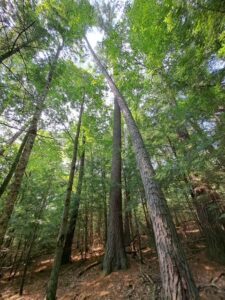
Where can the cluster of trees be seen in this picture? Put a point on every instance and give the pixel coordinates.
(63, 155)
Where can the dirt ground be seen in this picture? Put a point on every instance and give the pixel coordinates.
(139, 281)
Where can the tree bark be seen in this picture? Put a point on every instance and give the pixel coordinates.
(67, 250)
(7, 179)
(103, 178)
(13, 139)
(177, 280)
(53, 281)
(208, 210)
(127, 234)
(115, 256)
(22, 164)
(32, 242)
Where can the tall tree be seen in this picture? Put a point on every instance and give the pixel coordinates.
(176, 276)
(67, 250)
(53, 281)
(115, 256)
(27, 149)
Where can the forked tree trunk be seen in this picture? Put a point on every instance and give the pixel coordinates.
(67, 250)
(115, 256)
(24, 158)
(53, 281)
(177, 280)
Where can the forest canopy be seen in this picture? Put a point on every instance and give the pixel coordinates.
(112, 121)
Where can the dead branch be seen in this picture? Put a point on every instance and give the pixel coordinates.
(96, 263)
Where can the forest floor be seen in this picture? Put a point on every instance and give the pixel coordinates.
(81, 280)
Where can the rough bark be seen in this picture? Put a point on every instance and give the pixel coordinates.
(22, 164)
(115, 256)
(53, 281)
(177, 280)
(67, 250)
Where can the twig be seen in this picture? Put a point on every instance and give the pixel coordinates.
(26, 130)
(217, 278)
(25, 29)
(8, 68)
(96, 263)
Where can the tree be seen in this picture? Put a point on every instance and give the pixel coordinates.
(115, 256)
(27, 149)
(53, 281)
(175, 273)
(67, 250)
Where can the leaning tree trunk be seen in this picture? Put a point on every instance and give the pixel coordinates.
(177, 281)
(67, 250)
(8, 177)
(24, 158)
(53, 281)
(13, 139)
(115, 256)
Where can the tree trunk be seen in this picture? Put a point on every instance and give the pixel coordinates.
(7, 179)
(209, 216)
(15, 258)
(104, 204)
(127, 234)
(138, 237)
(115, 256)
(13, 139)
(67, 250)
(53, 281)
(32, 242)
(18, 263)
(208, 212)
(148, 223)
(177, 281)
(85, 233)
(22, 164)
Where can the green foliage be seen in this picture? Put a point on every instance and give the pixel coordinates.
(167, 58)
